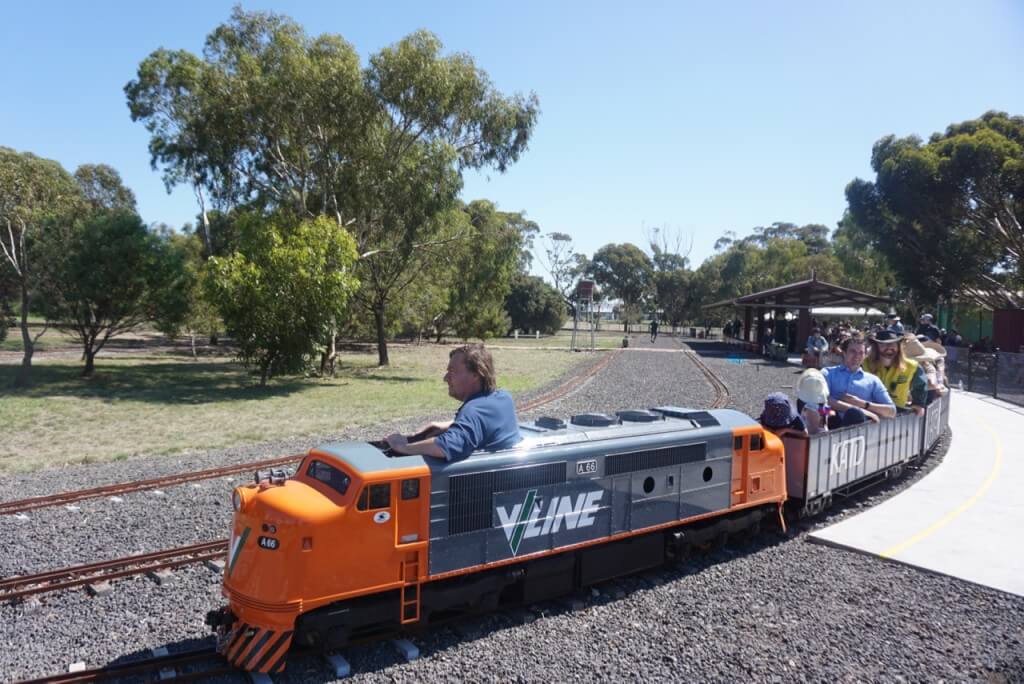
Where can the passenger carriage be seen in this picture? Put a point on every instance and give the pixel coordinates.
(840, 462)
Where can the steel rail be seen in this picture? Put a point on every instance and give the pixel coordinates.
(9, 507)
(142, 667)
(28, 585)
(21, 505)
(721, 390)
(568, 386)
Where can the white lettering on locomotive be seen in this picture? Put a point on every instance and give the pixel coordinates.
(528, 519)
(847, 454)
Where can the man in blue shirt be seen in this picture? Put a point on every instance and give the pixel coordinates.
(486, 420)
(855, 394)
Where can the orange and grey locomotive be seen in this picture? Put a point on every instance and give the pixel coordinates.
(361, 542)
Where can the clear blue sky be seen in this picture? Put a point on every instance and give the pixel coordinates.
(705, 117)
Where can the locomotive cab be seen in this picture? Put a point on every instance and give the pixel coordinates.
(332, 531)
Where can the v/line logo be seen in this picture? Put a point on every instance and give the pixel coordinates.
(524, 520)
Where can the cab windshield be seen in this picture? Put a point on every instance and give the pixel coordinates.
(329, 475)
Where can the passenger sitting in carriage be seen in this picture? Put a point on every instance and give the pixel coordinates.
(902, 377)
(812, 401)
(855, 394)
(780, 417)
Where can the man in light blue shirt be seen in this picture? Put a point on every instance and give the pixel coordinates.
(485, 421)
(853, 393)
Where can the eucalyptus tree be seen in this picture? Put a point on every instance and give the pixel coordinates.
(281, 121)
(34, 193)
(102, 188)
(283, 290)
(532, 304)
(563, 263)
(267, 115)
(949, 214)
(625, 272)
(483, 265)
(433, 117)
(103, 274)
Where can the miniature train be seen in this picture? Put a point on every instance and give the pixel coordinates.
(361, 543)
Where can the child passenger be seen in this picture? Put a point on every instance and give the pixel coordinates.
(812, 400)
(780, 417)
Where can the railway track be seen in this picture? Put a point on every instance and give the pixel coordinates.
(29, 585)
(22, 505)
(156, 666)
(64, 498)
(720, 389)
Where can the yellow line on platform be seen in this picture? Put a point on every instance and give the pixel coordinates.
(949, 517)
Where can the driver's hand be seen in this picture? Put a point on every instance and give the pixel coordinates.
(397, 441)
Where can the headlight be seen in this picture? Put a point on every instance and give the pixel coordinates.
(236, 501)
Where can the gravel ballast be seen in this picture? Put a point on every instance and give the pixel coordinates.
(773, 609)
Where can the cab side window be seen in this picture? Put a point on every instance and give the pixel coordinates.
(329, 475)
(375, 496)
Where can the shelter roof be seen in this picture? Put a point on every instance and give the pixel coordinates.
(806, 294)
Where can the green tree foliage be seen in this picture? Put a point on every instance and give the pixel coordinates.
(185, 308)
(864, 267)
(563, 263)
(625, 272)
(283, 290)
(274, 119)
(34, 193)
(672, 276)
(673, 294)
(814, 236)
(102, 188)
(103, 272)
(777, 255)
(948, 213)
(483, 262)
(532, 305)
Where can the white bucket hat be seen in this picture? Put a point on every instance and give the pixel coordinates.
(812, 388)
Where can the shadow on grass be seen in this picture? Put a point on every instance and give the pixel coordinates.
(171, 382)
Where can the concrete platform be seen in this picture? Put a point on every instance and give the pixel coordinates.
(964, 519)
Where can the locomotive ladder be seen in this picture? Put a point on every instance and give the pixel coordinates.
(410, 588)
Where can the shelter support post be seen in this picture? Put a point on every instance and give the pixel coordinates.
(803, 329)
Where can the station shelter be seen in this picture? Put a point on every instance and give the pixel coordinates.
(800, 297)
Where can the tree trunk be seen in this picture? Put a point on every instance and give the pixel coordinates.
(22, 379)
(329, 356)
(90, 367)
(192, 343)
(205, 220)
(382, 344)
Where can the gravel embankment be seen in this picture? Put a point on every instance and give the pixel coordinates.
(774, 609)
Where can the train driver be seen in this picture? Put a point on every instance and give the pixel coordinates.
(853, 393)
(486, 420)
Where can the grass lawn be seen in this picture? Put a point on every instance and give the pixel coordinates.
(51, 339)
(166, 404)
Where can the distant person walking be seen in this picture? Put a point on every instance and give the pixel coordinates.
(654, 329)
